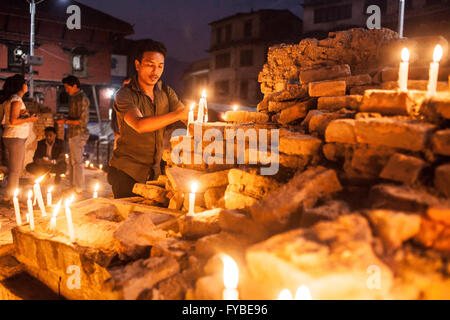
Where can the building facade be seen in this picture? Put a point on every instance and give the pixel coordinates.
(422, 17)
(86, 53)
(238, 51)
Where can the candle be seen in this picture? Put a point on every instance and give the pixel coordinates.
(96, 187)
(403, 71)
(86, 164)
(194, 187)
(91, 166)
(30, 215)
(67, 204)
(17, 208)
(303, 293)
(100, 167)
(54, 215)
(190, 118)
(230, 278)
(434, 71)
(201, 106)
(235, 108)
(285, 294)
(38, 195)
(49, 196)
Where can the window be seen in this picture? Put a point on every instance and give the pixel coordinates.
(248, 29)
(219, 35)
(16, 56)
(222, 88)
(244, 90)
(77, 63)
(246, 58)
(228, 33)
(333, 14)
(223, 60)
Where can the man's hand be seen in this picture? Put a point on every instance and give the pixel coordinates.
(183, 113)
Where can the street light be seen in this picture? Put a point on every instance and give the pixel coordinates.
(33, 4)
(401, 17)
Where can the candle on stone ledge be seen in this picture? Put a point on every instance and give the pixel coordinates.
(230, 278)
(54, 215)
(30, 215)
(434, 71)
(17, 208)
(235, 108)
(201, 108)
(38, 195)
(96, 187)
(190, 117)
(68, 213)
(302, 293)
(194, 187)
(49, 196)
(403, 71)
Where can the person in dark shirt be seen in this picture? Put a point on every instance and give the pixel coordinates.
(49, 156)
(145, 107)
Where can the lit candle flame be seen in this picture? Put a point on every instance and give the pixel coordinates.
(194, 187)
(100, 167)
(285, 294)
(230, 272)
(235, 108)
(67, 156)
(39, 180)
(204, 94)
(438, 52)
(16, 193)
(303, 293)
(405, 55)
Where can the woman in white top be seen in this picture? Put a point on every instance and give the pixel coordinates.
(17, 128)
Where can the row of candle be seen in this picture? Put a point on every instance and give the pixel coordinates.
(202, 113)
(433, 73)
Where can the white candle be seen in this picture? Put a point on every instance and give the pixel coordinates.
(285, 294)
(67, 203)
(201, 106)
(96, 187)
(30, 210)
(49, 196)
(230, 278)
(191, 113)
(54, 215)
(17, 208)
(303, 293)
(194, 187)
(100, 167)
(206, 106)
(434, 71)
(403, 71)
(38, 195)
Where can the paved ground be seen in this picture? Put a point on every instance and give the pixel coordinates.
(7, 216)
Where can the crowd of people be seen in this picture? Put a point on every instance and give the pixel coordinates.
(143, 108)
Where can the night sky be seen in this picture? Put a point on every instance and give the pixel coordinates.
(182, 24)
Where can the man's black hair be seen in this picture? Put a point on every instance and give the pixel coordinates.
(52, 129)
(148, 46)
(71, 81)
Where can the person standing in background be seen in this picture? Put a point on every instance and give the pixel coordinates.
(78, 133)
(17, 128)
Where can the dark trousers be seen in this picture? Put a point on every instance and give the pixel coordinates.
(121, 183)
(38, 170)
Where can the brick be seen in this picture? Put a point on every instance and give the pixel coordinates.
(341, 131)
(403, 168)
(291, 93)
(246, 117)
(414, 85)
(274, 211)
(442, 179)
(250, 183)
(239, 222)
(440, 214)
(151, 192)
(293, 113)
(200, 224)
(442, 105)
(327, 88)
(358, 80)
(324, 73)
(213, 179)
(389, 102)
(396, 133)
(234, 199)
(359, 90)
(299, 144)
(213, 195)
(336, 103)
(319, 121)
(275, 106)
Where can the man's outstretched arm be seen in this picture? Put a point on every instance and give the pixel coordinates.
(141, 124)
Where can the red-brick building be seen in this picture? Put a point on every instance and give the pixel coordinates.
(87, 53)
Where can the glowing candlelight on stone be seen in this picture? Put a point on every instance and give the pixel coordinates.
(91, 166)
(86, 164)
(230, 278)
(235, 108)
(434, 71)
(403, 71)
(194, 187)
(67, 204)
(96, 187)
(54, 215)
(100, 167)
(38, 195)
(285, 294)
(303, 293)
(30, 214)
(17, 208)
(49, 196)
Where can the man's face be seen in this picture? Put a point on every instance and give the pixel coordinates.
(50, 136)
(71, 90)
(150, 68)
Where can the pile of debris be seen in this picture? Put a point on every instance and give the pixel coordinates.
(358, 208)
